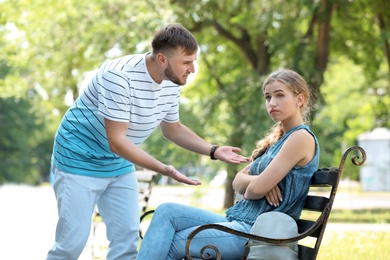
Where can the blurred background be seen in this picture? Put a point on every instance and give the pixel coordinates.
(342, 47)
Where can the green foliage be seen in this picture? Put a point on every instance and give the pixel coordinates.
(348, 111)
(55, 43)
(360, 37)
(49, 47)
(342, 96)
(19, 141)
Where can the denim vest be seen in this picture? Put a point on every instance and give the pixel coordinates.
(294, 186)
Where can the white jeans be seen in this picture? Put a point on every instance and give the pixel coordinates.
(117, 200)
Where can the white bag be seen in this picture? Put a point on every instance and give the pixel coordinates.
(273, 225)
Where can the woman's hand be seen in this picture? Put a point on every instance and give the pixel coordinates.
(171, 172)
(274, 196)
(242, 179)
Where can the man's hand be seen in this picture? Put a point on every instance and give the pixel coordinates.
(230, 154)
(171, 172)
(274, 196)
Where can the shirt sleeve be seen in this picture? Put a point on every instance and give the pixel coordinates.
(173, 114)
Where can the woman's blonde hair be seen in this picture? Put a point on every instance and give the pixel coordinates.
(297, 84)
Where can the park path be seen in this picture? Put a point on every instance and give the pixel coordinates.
(28, 216)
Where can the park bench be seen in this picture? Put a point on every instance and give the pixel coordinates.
(308, 228)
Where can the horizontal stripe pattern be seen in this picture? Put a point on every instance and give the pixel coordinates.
(121, 90)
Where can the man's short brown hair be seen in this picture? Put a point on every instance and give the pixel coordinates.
(172, 37)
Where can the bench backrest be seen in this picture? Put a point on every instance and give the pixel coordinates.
(324, 178)
(146, 180)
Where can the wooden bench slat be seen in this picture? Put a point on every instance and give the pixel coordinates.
(304, 225)
(315, 203)
(325, 177)
(305, 252)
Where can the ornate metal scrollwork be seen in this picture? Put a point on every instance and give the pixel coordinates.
(355, 159)
(216, 250)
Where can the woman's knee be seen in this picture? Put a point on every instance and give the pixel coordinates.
(167, 208)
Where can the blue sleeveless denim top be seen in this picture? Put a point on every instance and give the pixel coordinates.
(294, 186)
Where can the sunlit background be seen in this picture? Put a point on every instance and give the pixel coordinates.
(49, 49)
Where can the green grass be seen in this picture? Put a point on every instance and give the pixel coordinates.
(356, 243)
(353, 245)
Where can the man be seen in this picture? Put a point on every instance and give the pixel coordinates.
(97, 143)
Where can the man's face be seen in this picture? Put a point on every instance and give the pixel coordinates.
(180, 66)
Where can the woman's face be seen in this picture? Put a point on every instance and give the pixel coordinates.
(281, 102)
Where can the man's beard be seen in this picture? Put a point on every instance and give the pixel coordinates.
(171, 75)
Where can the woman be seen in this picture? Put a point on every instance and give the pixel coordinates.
(277, 179)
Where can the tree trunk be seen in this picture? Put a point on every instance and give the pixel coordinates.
(232, 169)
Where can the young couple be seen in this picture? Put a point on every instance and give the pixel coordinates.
(97, 145)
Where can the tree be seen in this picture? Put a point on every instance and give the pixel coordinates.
(266, 35)
(242, 41)
(19, 129)
(58, 42)
(364, 37)
(49, 46)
